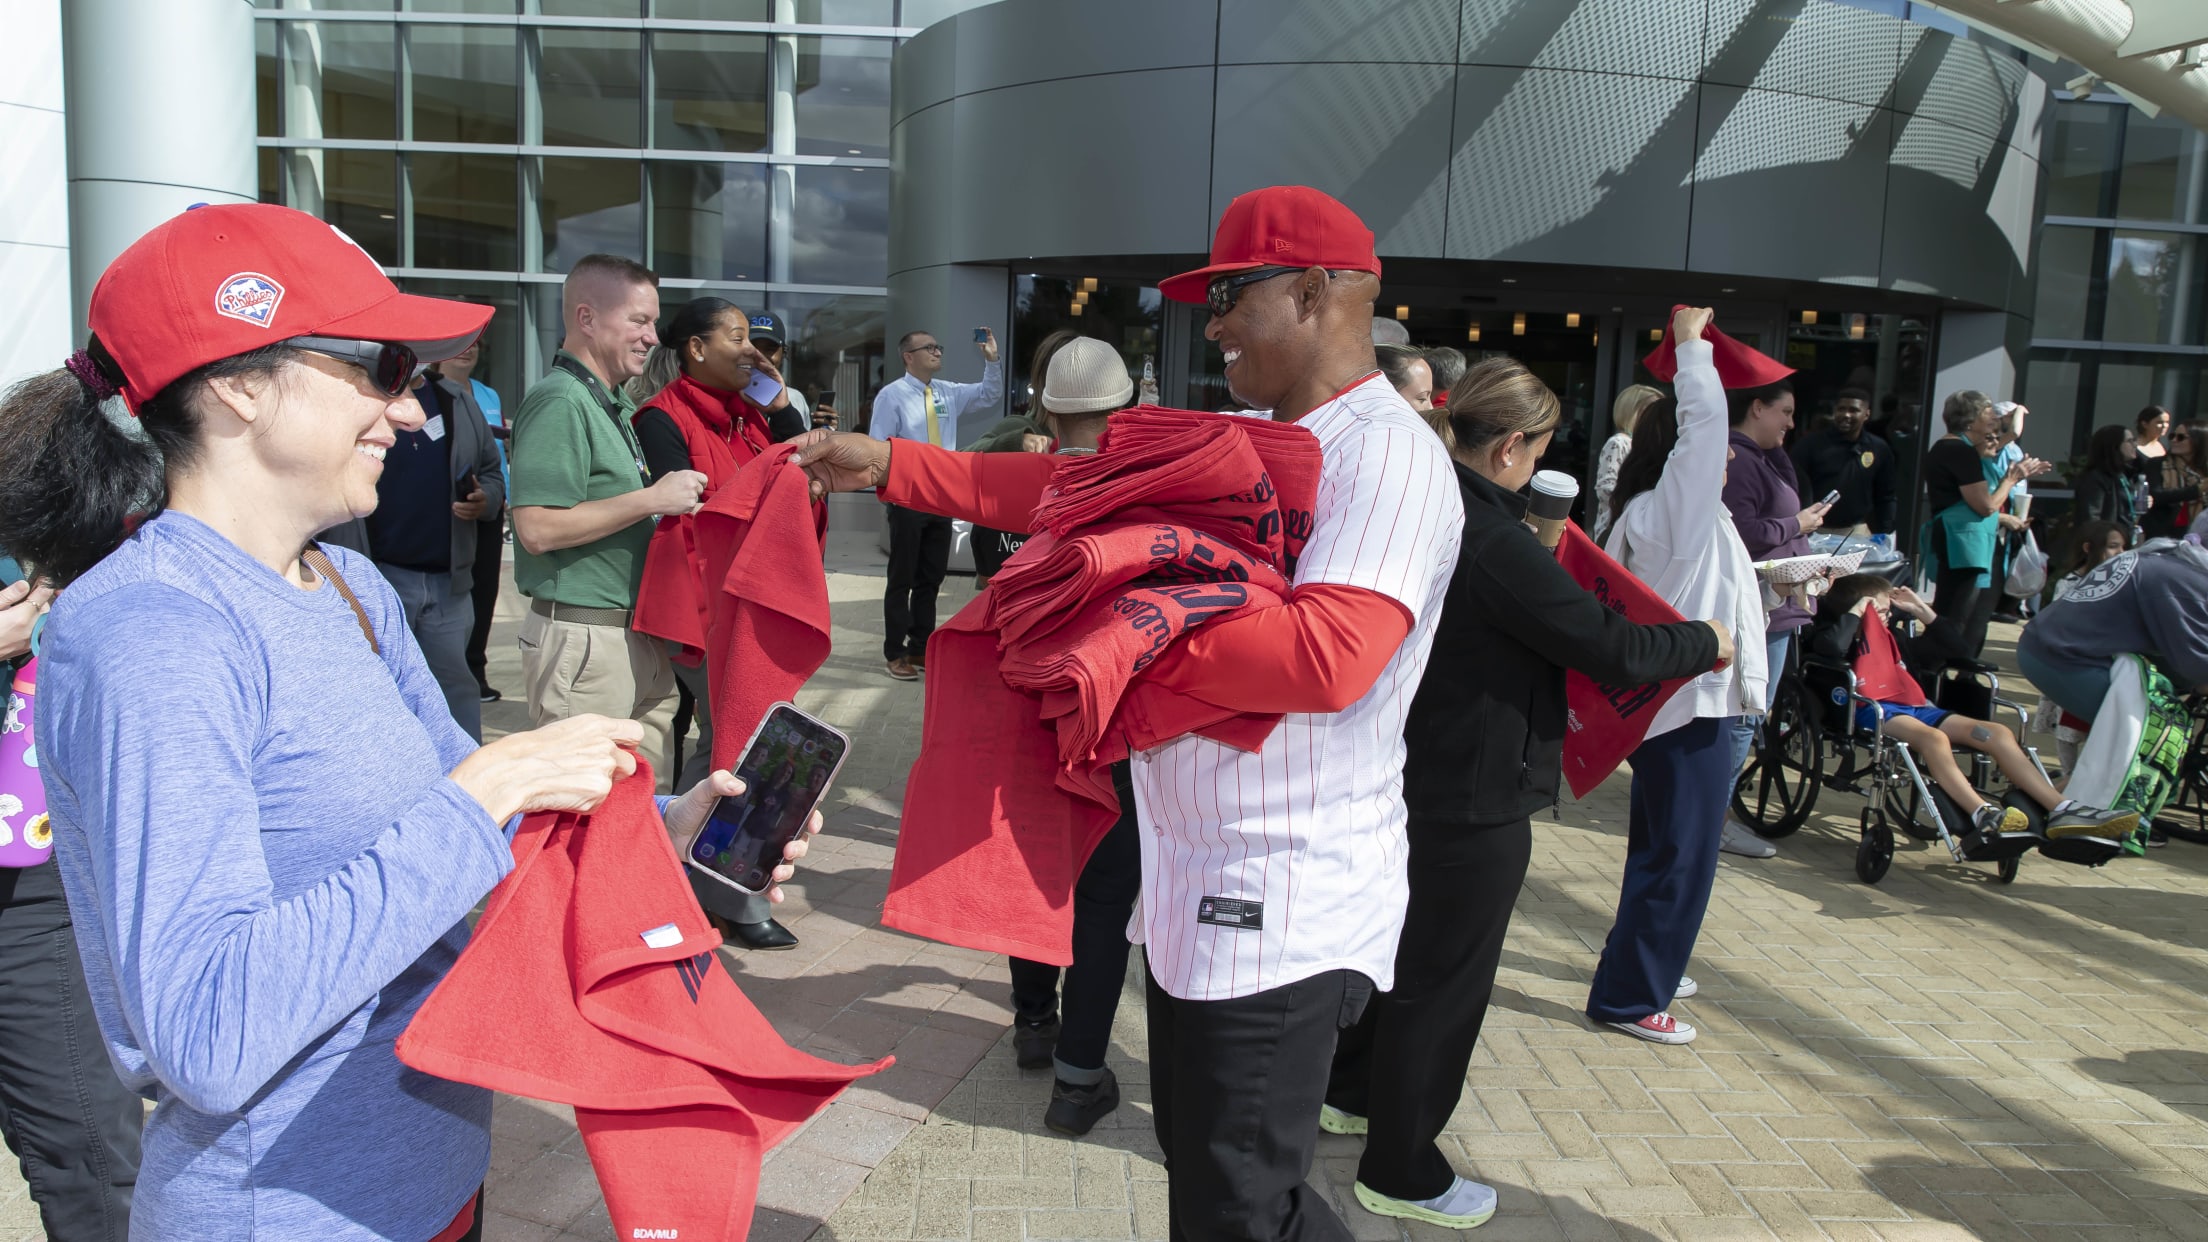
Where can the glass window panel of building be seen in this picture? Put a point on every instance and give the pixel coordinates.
(715, 10)
(839, 227)
(465, 83)
(500, 367)
(339, 80)
(835, 346)
(466, 211)
(709, 221)
(358, 191)
(842, 96)
(588, 207)
(592, 86)
(2130, 285)
(498, 7)
(710, 92)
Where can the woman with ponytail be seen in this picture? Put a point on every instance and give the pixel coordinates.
(268, 826)
(1484, 750)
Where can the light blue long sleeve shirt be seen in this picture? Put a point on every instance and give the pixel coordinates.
(901, 407)
(268, 870)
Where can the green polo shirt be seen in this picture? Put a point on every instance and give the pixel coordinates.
(567, 448)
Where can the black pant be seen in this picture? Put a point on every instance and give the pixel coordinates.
(1236, 1087)
(919, 551)
(72, 1125)
(1957, 596)
(1103, 902)
(490, 553)
(1402, 1066)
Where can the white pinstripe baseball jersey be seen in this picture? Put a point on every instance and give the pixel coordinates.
(1260, 870)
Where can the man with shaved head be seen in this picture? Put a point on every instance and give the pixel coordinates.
(584, 505)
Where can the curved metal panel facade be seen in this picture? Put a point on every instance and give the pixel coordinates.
(1782, 139)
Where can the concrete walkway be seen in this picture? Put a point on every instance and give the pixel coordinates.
(1940, 1056)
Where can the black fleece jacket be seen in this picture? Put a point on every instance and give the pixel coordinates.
(1485, 736)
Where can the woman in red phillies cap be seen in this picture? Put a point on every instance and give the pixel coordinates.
(269, 827)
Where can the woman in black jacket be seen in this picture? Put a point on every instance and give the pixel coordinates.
(1485, 741)
(2105, 490)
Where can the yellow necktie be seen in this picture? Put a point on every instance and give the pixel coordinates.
(935, 430)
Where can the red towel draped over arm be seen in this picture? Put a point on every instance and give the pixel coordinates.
(996, 490)
(1320, 653)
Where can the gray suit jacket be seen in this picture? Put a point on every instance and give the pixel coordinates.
(473, 449)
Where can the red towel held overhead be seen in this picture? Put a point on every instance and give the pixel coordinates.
(1181, 519)
(1603, 724)
(1738, 366)
(591, 980)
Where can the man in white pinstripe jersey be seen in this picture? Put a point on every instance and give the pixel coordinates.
(1273, 883)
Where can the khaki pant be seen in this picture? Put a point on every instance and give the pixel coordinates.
(572, 669)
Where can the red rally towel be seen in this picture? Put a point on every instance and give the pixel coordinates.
(768, 626)
(1603, 724)
(591, 980)
(1738, 366)
(1180, 519)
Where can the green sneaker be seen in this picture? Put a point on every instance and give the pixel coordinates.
(1335, 1121)
(1465, 1205)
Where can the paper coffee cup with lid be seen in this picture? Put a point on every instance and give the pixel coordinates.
(1550, 505)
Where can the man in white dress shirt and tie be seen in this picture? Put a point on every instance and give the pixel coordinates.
(918, 406)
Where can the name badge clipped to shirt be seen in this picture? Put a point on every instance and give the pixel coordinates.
(434, 427)
(1231, 912)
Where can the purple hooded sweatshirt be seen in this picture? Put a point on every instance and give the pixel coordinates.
(1762, 496)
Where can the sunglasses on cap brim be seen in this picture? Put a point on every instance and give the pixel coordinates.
(392, 368)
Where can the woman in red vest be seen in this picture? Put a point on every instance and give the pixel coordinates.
(702, 421)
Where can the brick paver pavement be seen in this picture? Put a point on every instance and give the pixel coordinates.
(1937, 1057)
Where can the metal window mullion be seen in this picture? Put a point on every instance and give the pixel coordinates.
(531, 181)
(647, 98)
(402, 184)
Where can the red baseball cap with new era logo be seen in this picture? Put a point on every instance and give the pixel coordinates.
(218, 281)
(1280, 226)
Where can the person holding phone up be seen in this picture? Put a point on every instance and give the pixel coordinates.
(1765, 501)
(266, 821)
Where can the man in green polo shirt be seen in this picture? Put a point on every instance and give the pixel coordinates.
(583, 512)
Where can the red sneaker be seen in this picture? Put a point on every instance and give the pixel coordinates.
(1658, 1028)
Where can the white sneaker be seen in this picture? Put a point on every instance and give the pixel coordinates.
(1687, 988)
(1465, 1205)
(1335, 1121)
(1744, 842)
(1657, 1028)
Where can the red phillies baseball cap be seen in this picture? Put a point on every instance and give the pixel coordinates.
(1280, 226)
(218, 281)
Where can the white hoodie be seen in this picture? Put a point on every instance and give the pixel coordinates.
(1679, 539)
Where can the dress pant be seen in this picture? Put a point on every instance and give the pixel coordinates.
(1236, 1087)
(919, 553)
(1103, 902)
(716, 898)
(490, 558)
(1402, 1066)
(1957, 595)
(1681, 782)
(73, 1126)
(440, 621)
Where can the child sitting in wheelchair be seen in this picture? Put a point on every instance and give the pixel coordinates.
(1854, 625)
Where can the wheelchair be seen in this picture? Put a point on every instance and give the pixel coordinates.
(1813, 717)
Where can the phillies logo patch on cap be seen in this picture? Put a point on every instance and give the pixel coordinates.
(249, 297)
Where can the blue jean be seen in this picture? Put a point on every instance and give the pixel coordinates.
(2078, 690)
(1681, 781)
(1743, 729)
(440, 621)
